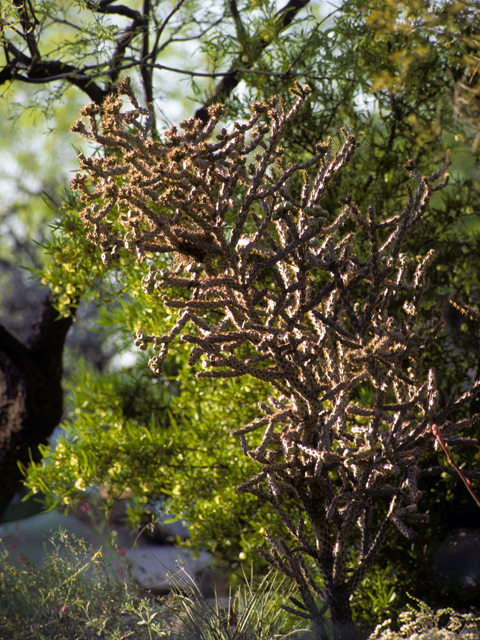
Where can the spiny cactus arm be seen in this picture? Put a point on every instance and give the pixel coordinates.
(365, 527)
(465, 309)
(277, 557)
(292, 564)
(410, 483)
(346, 299)
(238, 368)
(298, 611)
(365, 560)
(400, 407)
(416, 440)
(405, 223)
(374, 297)
(350, 515)
(438, 469)
(326, 172)
(464, 399)
(279, 121)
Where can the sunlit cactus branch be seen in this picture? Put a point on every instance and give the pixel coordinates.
(320, 302)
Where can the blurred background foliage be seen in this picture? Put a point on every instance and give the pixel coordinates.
(402, 76)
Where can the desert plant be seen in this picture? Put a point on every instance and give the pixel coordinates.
(248, 614)
(423, 623)
(78, 595)
(72, 595)
(324, 306)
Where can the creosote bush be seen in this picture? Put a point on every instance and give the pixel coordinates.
(323, 305)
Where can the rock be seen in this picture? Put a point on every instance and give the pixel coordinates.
(456, 563)
(153, 566)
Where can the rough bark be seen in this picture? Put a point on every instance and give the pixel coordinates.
(31, 397)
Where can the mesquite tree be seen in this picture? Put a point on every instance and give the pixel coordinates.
(325, 306)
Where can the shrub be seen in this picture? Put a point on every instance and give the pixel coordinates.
(424, 624)
(72, 595)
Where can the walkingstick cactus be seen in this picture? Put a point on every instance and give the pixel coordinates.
(324, 305)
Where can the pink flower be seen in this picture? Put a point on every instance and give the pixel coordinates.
(122, 552)
(22, 539)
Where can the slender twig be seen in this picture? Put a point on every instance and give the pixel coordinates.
(466, 481)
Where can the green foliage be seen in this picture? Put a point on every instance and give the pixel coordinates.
(74, 267)
(126, 432)
(73, 595)
(377, 598)
(77, 595)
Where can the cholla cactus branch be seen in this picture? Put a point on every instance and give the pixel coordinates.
(271, 285)
(464, 308)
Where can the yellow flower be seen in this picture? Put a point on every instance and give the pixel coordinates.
(80, 484)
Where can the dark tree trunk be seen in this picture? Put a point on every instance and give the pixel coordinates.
(342, 622)
(31, 396)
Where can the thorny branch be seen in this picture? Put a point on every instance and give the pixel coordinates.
(322, 304)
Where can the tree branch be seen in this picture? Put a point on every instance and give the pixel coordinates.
(119, 10)
(161, 29)
(229, 82)
(28, 27)
(139, 24)
(146, 71)
(48, 71)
